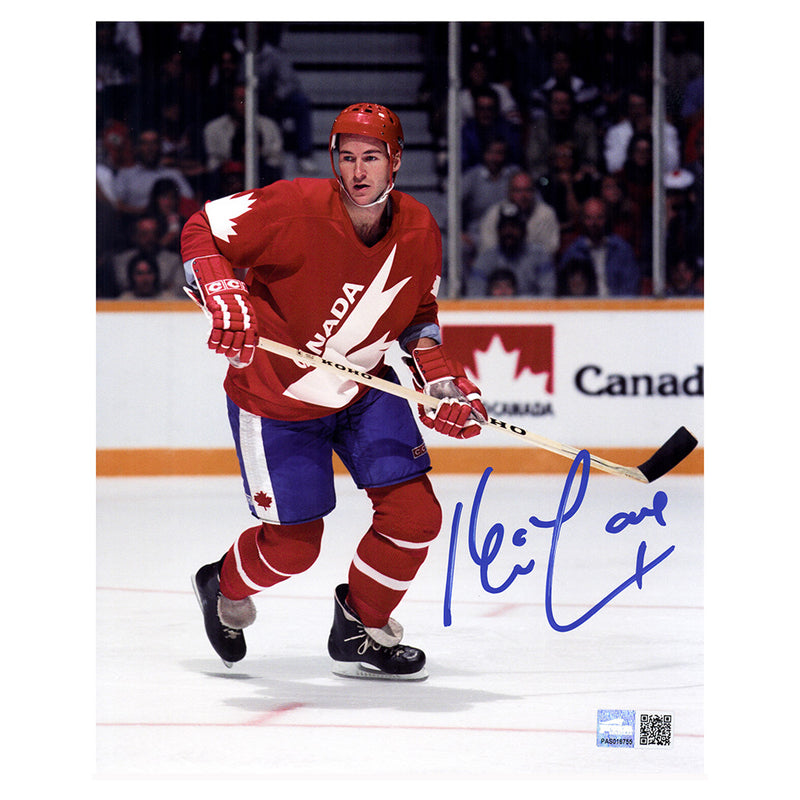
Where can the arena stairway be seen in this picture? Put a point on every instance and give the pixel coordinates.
(384, 62)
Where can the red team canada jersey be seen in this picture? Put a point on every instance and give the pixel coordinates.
(316, 286)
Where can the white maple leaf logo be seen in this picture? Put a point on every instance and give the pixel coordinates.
(370, 307)
(323, 388)
(497, 366)
(222, 213)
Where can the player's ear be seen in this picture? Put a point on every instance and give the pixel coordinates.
(396, 159)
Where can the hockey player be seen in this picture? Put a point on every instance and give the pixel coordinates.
(343, 267)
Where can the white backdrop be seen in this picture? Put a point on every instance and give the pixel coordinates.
(159, 386)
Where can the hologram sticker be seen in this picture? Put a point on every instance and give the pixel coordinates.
(615, 728)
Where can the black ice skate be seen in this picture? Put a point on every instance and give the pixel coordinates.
(356, 653)
(226, 639)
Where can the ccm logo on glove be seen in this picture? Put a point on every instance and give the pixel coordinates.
(225, 285)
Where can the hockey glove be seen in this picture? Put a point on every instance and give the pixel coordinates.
(227, 303)
(460, 412)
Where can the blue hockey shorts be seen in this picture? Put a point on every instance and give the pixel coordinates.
(287, 467)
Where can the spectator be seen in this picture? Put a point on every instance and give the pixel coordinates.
(132, 185)
(224, 142)
(563, 188)
(610, 62)
(562, 123)
(615, 267)
(502, 283)
(637, 119)
(482, 186)
(683, 62)
(696, 165)
(639, 81)
(541, 220)
(636, 179)
(684, 233)
(535, 43)
(488, 42)
(175, 82)
(563, 77)
(576, 278)
(224, 76)
(143, 280)
(281, 96)
(114, 151)
(164, 205)
(477, 78)
(117, 75)
(487, 125)
(106, 204)
(145, 243)
(176, 60)
(529, 262)
(199, 42)
(694, 142)
(174, 109)
(115, 146)
(639, 37)
(683, 277)
(180, 140)
(693, 104)
(624, 216)
(232, 177)
(106, 286)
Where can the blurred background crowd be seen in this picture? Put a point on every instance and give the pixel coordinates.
(557, 183)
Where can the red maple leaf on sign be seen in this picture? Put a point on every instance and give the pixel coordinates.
(262, 499)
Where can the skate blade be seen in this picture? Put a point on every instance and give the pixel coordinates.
(347, 669)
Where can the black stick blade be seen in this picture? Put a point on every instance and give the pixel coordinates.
(669, 455)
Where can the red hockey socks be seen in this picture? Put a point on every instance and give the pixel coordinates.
(268, 554)
(406, 519)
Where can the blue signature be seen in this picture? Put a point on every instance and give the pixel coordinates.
(492, 543)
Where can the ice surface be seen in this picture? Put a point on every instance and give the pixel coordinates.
(508, 695)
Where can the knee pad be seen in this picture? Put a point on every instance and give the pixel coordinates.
(292, 549)
(408, 512)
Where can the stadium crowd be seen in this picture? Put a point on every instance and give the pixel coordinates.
(556, 149)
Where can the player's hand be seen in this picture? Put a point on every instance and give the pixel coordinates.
(227, 301)
(233, 321)
(460, 412)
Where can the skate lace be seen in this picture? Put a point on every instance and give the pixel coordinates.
(367, 644)
(231, 633)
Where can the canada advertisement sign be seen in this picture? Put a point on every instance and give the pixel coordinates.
(587, 378)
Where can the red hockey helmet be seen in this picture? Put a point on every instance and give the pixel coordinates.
(369, 119)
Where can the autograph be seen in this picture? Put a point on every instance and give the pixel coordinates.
(492, 543)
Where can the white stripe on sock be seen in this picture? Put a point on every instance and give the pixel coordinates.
(404, 544)
(242, 574)
(379, 577)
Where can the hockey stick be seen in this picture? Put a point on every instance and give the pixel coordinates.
(668, 456)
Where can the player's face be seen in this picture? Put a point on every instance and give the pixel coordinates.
(365, 167)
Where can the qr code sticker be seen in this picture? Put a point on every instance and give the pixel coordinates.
(655, 729)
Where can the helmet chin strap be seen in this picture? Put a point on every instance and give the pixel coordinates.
(381, 199)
